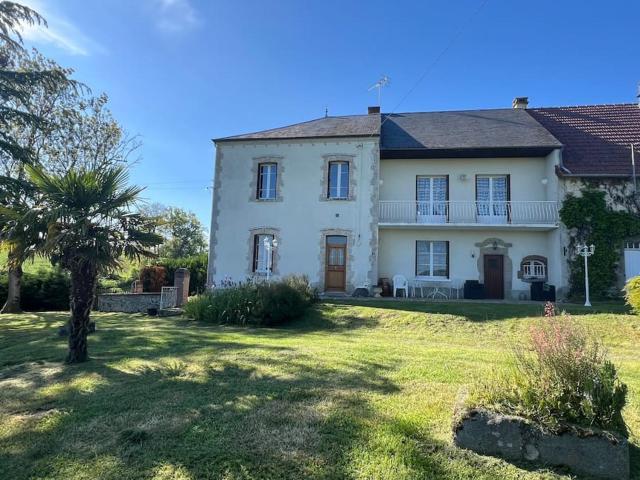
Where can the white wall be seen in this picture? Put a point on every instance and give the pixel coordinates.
(397, 252)
(399, 176)
(301, 216)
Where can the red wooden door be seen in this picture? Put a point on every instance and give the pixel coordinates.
(494, 276)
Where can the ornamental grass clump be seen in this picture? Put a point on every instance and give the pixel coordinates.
(254, 302)
(559, 376)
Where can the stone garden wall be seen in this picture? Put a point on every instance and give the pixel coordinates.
(586, 452)
(128, 302)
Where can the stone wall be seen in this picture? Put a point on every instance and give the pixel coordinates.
(128, 302)
(586, 452)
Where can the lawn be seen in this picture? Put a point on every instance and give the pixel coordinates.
(354, 390)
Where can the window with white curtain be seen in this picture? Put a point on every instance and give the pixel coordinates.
(431, 196)
(432, 259)
(492, 194)
(262, 255)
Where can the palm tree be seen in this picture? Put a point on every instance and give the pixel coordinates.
(89, 229)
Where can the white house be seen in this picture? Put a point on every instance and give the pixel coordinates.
(441, 198)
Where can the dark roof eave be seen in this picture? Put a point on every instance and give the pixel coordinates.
(285, 139)
(477, 152)
(594, 175)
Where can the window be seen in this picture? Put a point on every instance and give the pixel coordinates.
(431, 196)
(267, 181)
(338, 180)
(432, 259)
(492, 195)
(262, 253)
(534, 269)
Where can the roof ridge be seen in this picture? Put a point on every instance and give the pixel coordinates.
(454, 111)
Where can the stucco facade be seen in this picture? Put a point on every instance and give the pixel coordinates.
(302, 216)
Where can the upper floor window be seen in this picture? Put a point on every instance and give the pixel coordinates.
(492, 196)
(432, 193)
(338, 180)
(432, 259)
(267, 181)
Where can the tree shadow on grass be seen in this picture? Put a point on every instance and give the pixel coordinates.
(225, 419)
(634, 460)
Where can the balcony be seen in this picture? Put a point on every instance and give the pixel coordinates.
(540, 215)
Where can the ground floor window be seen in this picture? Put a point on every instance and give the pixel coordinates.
(534, 269)
(432, 259)
(263, 253)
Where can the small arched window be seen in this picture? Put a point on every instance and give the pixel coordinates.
(534, 269)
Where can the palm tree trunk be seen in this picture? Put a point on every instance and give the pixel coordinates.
(12, 305)
(83, 287)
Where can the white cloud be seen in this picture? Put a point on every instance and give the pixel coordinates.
(60, 33)
(176, 15)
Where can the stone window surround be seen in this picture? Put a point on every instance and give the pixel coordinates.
(528, 259)
(322, 257)
(251, 245)
(255, 177)
(502, 248)
(338, 157)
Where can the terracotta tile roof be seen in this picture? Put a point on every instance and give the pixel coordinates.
(596, 138)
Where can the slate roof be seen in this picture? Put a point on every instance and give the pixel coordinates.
(464, 129)
(325, 127)
(596, 138)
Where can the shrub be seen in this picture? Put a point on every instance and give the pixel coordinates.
(560, 376)
(197, 266)
(254, 303)
(46, 289)
(153, 278)
(632, 293)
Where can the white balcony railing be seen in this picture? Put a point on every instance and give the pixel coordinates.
(469, 212)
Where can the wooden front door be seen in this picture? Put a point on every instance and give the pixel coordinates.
(336, 263)
(494, 276)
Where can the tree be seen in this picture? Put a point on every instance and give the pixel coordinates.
(183, 232)
(45, 102)
(89, 229)
(17, 85)
(76, 132)
(20, 85)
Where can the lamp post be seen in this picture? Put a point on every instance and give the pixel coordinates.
(269, 246)
(586, 251)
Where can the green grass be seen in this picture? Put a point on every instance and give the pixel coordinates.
(40, 263)
(353, 390)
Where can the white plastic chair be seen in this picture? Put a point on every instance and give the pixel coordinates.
(400, 283)
(456, 285)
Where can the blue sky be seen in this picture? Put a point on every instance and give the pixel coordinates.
(180, 72)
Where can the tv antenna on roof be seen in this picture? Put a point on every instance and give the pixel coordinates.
(383, 82)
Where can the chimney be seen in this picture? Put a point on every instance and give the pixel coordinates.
(520, 102)
(374, 110)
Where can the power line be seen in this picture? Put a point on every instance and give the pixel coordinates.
(430, 67)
